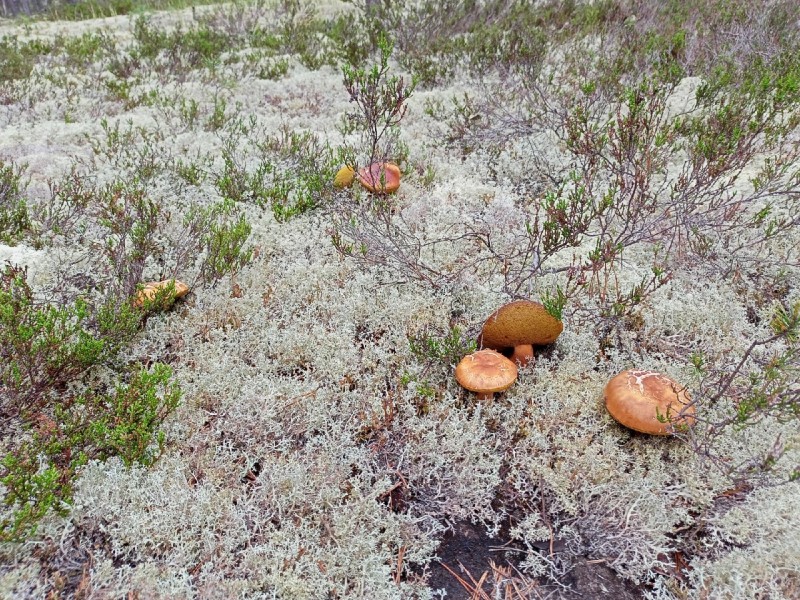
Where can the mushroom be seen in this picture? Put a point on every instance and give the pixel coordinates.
(520, 325)
(152, 288)
(648, 402)
(486, 372)
(344, 177)
(380, 178)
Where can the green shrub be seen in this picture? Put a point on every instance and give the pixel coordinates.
(125, 423)
(220, 233)
(293, 175)
(444, 348)
(42, 348)
(380, 101)
(52, 430)
(39, 474)
(18, 59)
(14, 218)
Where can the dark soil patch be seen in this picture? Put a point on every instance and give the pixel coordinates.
(470, 553)
(590, 580)
(467, 551)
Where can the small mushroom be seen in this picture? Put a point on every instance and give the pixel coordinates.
(344, 177)
(520, 325)
(648, 402)
(152, 288)
(486, 372)
(380, 178)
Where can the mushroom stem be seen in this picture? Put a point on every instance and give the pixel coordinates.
(485, 395)
(523, 354)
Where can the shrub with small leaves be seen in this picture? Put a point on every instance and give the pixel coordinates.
(448, 348)
(38, 475)
(14, 218)
(220, 233)
(42, 347)
(380, 101)
(125, 423)
(763, 384)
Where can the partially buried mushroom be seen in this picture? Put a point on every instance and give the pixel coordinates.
(486, 372)
(520, 326)
(649, 402)
(380, 178)
(151, 290)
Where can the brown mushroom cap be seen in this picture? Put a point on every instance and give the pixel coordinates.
(636, 398)
(380, 178)
(486, 372)
(519, 323)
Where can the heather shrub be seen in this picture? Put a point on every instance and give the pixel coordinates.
(139, 234)
(14, 218)
(43, 349)
(46, 349)
(380, 101)
(288, 172)
(19, 58)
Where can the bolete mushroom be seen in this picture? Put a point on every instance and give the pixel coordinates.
(380, 178)
(520, 325)
(648, 402)
(344, 177)
(152, 288)
(486, 372)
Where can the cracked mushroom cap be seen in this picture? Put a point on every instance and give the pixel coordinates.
(486, 372)
(520, 323)
(636, 398)
(380, 178)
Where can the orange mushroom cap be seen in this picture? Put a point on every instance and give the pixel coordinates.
(380, 178)
(486, 372)
(648, 402)
(152, 288)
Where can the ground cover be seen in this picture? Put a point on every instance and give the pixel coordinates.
(291, 428)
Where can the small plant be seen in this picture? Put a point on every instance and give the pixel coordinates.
(461, 120)
(131, 150)
(85, 49)
(125, 423)
(137, 232)
(14, 218)
(191, 172)
(554, 302)
(760, 385)
(380, 101)
(17, 60)
(448, 349)
(129, 221)
(292, 176)
(51, 429)
(238, 183)
(39, 474)
(44, 347)
(273, 69)
(217, 118)
(220, 234)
